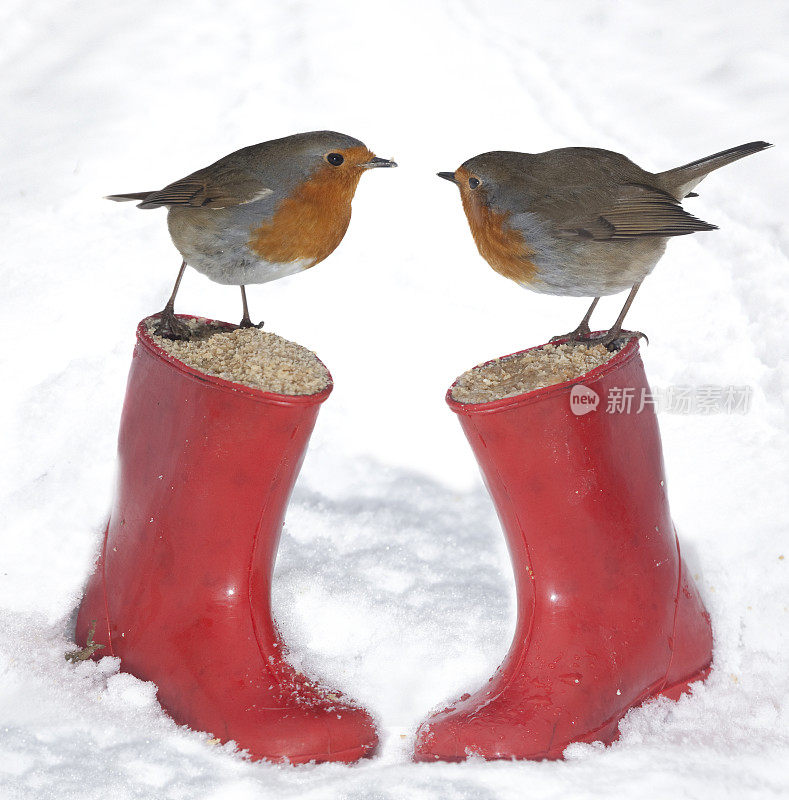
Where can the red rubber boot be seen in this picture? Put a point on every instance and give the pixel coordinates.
(182, 589)
(607, 614)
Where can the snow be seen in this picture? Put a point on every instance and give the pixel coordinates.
(393, 582)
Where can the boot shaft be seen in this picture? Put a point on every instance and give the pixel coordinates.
(205, 470)
(182, 589)
(583, 504)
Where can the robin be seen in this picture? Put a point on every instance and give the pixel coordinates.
(580, 221)
(261, 213)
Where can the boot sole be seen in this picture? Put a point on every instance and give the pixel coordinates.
(347, 756)
(607, 733)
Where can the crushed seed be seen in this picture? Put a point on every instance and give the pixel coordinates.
(535, 369)
(248, 356)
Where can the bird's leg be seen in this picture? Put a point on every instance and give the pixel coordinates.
(169, 326)
(583, 327)
(610, 338)
(583, 330)
(246, 322)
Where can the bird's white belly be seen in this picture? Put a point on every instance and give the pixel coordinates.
(596, 269)
(217, 244)
(578, 267)
(252, 269)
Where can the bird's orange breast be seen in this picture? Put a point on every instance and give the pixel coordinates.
(503, 247)
(311, 222)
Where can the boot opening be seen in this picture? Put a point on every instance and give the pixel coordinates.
(248, 356)
(524, 372)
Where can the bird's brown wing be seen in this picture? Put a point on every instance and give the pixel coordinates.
(633, 210)
(209, 188)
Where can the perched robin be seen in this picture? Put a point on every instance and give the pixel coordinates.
(580, 221)
(261, 213)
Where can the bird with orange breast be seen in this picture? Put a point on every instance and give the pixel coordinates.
(580, 221)
(261, 213)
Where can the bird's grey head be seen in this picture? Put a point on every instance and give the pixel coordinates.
(306, 153)
(489, 178)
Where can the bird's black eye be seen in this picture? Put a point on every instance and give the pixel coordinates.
(335, 159)
(473, 183)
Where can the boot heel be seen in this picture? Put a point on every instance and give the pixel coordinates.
(676, 690)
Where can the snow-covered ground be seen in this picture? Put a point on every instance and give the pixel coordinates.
(393, 581)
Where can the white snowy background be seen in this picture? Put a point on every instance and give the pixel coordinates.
(393, 581)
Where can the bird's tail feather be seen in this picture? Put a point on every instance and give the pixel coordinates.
(123, 198)
(680, 181)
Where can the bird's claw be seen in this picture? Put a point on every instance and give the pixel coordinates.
(578, 336)
(170, 327)
(247, 323)
(612, 340)
(574, 337)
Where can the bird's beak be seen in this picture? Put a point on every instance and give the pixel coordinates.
(447, 176)
(378, 162)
